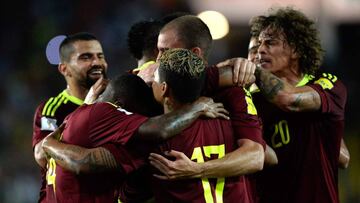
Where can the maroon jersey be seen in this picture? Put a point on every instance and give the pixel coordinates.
(238, 102)
(307, 146)
(92, 126)
(202, 141)
(243, 114)
(48, 116)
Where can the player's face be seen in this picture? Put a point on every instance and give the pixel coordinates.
(274, 52)
(253, 48)
(87, 64)
(156, 87)
(168, 39)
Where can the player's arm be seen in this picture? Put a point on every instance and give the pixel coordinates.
(167, 125)
(270, 157)
(40, 156)
(82, 160)
(282, 94)
(244, 68)
(344, 157)
(78, 159)
(286, 96)
(37, 137)
(247, 158)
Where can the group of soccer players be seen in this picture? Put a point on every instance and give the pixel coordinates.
(169, 142)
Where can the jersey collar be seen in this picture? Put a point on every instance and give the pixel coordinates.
(304, 80)
(73, 99)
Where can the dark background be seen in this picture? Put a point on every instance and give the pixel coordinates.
(27, 78)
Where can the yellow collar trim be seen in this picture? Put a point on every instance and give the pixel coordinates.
(73, 99)
(144, 66)
(304, 80)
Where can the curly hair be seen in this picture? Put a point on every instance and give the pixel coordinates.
(184, 72)
(142, 38)
(299, 32)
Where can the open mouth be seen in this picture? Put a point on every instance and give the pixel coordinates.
(96, 72)
(264, 62)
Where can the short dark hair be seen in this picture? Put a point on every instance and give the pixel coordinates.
(134, 95)
(66, 46)
(142, 38)
(192, 31)
(184, 72)
(299, 31)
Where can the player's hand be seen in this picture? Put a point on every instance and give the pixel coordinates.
(96, 90)
(243, 70)
(211, 109)
(148, 73)
(58, 131)
(181, 168)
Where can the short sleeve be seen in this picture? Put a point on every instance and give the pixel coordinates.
(246, 124)
(333, 95)
(109, 123)
(42, 126)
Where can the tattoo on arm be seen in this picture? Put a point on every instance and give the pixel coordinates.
(82, 160)
(167, 125)
(269, 84)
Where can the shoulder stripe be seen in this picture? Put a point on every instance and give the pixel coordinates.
(57, 105)
(46, 105)
(329, 76)
(48, 110)
(334, 79)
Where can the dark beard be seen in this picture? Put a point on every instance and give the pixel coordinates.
(90, 82)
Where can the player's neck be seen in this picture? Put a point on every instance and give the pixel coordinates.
(291, 75)
(77, 91)
(171, 105)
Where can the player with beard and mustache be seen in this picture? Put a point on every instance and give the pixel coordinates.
(82, 64)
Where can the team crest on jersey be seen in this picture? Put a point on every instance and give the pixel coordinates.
(48, 123)
(326, 82)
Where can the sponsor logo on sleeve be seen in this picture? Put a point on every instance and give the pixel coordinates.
(48, 123)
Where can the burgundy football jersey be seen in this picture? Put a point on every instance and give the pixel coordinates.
(307, 145)
(202, 141)
(93, 126)
(48, 116)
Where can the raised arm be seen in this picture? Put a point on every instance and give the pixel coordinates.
(286, 96)
(282, 94)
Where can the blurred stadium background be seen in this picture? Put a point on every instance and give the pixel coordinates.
(27, 77)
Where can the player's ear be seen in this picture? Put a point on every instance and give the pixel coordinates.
(164, 89)
(63, 69)
(197, 51)
(294, 53)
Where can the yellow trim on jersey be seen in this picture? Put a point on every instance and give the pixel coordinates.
(251, 109)
(73, 99)
(54, 103)
(304, 80)
(324, 83)
(144, 66)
